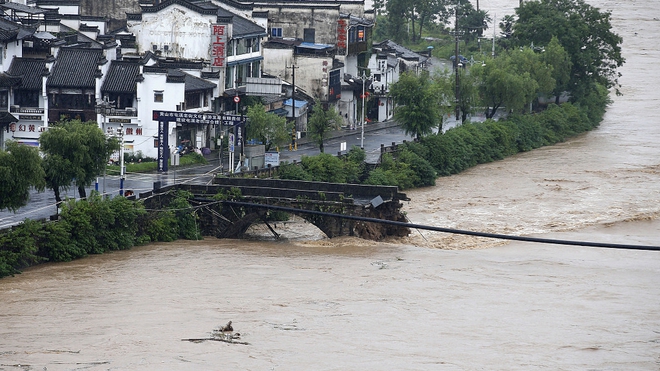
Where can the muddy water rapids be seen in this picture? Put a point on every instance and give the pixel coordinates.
(430, 301)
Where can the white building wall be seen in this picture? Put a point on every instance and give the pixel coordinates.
(186, 34)
(9, 51)
(173, 94)
(276, 61)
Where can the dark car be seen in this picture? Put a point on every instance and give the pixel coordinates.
(461, 59)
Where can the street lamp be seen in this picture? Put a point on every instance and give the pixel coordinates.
(104, 108)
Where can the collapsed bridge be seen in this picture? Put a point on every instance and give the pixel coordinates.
(229, 206)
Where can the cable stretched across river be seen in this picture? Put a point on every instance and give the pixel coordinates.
(451, 230)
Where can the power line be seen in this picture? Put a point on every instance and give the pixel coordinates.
(452, 230)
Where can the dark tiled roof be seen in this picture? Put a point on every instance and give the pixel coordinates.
(121, 77)
(72, 37)
(13, 31)
(400, 50)
(30, 70)
(203, 7)
(22, 8)
(195, 83)
(242, 27)
(7, 118)
(8, 81)
(75, 68)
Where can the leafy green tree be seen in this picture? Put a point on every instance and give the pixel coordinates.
(268, 128)
(398, 13)
(322, 121)
(471, 22)
(429, 12)
(582, 30)
(324, 167)
(512, 80)
(557, 57)
(75, 152)
(20, 170)
(418, 104)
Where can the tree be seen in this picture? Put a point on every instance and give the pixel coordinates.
(471, 21)
(430, 11)
(268, 128)
(75, 152)
(583, 31)
(20, 170)
(557, 57)
(322, 121)
(513, 80)
(398, 12)
(418, 104)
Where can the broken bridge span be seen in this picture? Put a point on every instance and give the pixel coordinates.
(229, 206)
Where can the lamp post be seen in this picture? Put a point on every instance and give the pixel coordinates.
(104, 108)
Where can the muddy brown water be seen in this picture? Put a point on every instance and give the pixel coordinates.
(430, 301)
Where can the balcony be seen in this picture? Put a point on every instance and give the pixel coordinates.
(28, 110)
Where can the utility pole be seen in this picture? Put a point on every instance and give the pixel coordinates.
(456, 64)
(293, 67)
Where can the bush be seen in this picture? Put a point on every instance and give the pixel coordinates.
(293, 172)
(324, 168)
(392, 173)
(185, 215)
(18, 248)
(424, 173)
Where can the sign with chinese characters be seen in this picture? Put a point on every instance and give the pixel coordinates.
(218, 44)
(114, 119)
(29, 128)
(341, 36)
(198, 118)
(163, 146)
(272, 159)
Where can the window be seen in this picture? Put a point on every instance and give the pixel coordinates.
(4, 100)
(229, 77)
(276, 32)
(193, 99)
(308, 35)
(241, 73)
(26, 98)
(360, 34)
(256, 69)
(230, 47)
(241, 46)
(335, 78)
(255, 44)
(158, 96)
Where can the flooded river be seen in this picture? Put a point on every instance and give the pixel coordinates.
(430, 301)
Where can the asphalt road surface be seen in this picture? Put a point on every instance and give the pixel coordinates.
(42, 204)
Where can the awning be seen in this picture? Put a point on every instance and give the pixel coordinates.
(43, 35)
(7, 118)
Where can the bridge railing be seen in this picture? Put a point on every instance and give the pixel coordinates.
(271, 171)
